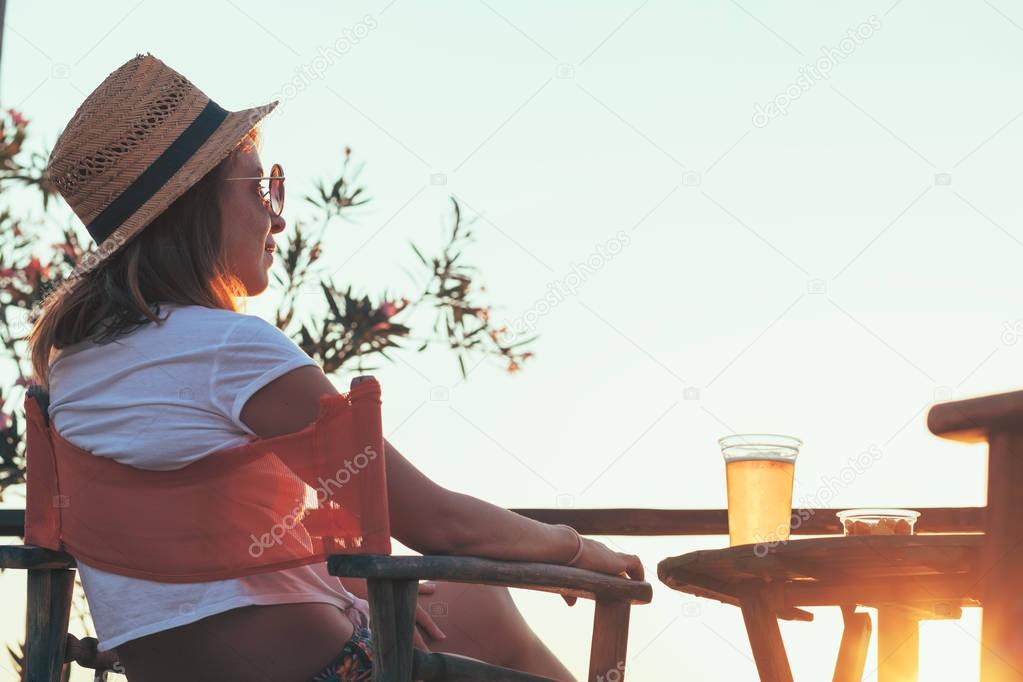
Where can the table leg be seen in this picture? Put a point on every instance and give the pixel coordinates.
(852, 652)
(765, 638)
(898, 645)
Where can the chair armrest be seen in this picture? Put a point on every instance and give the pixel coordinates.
(33, 557)
(574, 582)
(971, 420)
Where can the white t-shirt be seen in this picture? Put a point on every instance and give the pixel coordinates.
(132, 400)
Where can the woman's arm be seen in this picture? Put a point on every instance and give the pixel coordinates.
(434, 520)
(425, 516)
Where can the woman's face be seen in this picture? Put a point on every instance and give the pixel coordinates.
(248, 223)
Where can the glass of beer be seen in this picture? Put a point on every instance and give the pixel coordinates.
(759, 468)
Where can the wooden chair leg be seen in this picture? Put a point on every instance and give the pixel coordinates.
(49, 610)
(852, 652)
(610, 638)
(392, 606)
(765, 638)
(898, 645)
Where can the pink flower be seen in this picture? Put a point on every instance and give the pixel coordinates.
(5, 421)
(34, 270)
(16, 116)
(389, 310)
(68, 250)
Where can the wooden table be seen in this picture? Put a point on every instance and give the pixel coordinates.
(907, 578)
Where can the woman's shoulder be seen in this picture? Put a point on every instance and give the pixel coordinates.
(233, 333)
(180, 330)
(209, 322)
(180, 312)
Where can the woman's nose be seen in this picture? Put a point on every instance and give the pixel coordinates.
(277, 223)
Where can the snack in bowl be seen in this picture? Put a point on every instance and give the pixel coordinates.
(878, 521)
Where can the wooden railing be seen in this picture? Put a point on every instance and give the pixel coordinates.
(660, 522)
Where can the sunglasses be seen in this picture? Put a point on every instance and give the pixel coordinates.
(275, 190)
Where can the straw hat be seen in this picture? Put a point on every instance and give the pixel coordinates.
(138, 141)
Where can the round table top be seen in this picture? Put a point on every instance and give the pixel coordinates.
(939, 570)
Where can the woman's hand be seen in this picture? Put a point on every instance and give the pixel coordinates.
(84, 653)
(425, 625)
(425, 622)
(602, 559)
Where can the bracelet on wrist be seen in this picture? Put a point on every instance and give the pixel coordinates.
(579, 545)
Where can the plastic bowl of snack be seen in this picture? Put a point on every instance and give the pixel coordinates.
(878, 521)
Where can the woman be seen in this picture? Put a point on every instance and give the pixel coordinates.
(170, 186)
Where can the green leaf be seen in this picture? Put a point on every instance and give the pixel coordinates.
(523, 342)
(418, 253)
(330, 301)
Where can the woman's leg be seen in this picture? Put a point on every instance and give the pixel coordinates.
(483, 622)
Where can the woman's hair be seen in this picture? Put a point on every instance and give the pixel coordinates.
(177, 258)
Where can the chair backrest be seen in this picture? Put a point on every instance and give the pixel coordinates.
(270, 504)
(51, 583)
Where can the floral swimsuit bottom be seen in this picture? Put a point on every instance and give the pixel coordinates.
(353, 664)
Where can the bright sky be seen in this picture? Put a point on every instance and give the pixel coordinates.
(828, 271)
